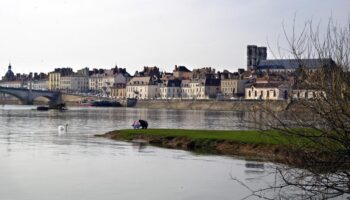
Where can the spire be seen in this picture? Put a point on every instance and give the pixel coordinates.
(10, 65)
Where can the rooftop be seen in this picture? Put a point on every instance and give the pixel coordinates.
(294, 63)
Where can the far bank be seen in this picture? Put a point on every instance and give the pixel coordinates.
(243, 105)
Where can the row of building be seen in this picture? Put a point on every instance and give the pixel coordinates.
(263, 79)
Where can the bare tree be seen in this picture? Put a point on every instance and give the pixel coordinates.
(317, 121)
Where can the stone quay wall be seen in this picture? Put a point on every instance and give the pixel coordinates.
(213, 105)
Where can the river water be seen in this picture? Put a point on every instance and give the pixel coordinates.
(38, 163)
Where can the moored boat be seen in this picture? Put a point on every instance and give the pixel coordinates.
(131, 102)
(86, 103)
(42, 108)
(106, 104)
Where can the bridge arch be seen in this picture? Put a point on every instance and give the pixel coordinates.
(28, 96)
(16, 95)
(42, 98)
(48, 97)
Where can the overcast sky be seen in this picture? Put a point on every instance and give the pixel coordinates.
(39, 35)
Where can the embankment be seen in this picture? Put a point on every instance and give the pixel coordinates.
(213, 105)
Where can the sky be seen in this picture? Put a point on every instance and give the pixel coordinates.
(40, 35)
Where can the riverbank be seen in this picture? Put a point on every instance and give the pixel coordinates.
(258, 145)
(243, 105)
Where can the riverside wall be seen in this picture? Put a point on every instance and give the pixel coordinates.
(213, 105)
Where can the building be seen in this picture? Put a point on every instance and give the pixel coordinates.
(203, 73)
(104, 80)
(267, 91)
(181, 72)
(305, 94)
(143, 88)
(84, 72)
(255, 55)
(118, 91)
(115, 81)
(101, 81)
(9, 76)
(206, 88)
(165, 76)
(66, 71)
(10, 80)
(12, 84)
(149, 71)
(233, 87)
(305, 91)
(54, 80)
(185, 89)
(287, 66)
(74, 83)
(40, 84)
(96, 83)
(170, 89)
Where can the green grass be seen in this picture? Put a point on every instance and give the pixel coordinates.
(238, 136)
(243, 142)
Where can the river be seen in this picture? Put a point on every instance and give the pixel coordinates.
(38, 163)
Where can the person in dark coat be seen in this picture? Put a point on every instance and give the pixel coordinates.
(143, 123)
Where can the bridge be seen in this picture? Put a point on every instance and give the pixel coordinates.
(27, 96)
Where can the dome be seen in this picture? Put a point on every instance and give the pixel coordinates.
(9, 74)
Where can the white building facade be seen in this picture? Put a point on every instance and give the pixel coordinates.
(96, 83)
(170, 89)
(185, 89)
(267, 91)
(74, 83)
(40, 85)
(204, 88)
(142, 88)
(13, 84)
(233, 87)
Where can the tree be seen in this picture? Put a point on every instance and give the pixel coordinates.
(320, 116)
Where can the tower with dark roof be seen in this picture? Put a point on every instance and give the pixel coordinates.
(255, 54)
(9, 76)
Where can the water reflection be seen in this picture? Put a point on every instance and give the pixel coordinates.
(254, 168)
(139, 145)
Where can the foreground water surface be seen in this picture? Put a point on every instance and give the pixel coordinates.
(36, 162)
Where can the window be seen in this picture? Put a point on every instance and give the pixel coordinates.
(249, 94)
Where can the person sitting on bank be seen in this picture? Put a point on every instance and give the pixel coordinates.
(136, 124)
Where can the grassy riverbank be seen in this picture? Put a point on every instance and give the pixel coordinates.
(261, 145)
(242, 136)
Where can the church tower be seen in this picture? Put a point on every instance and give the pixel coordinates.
(9, 76)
